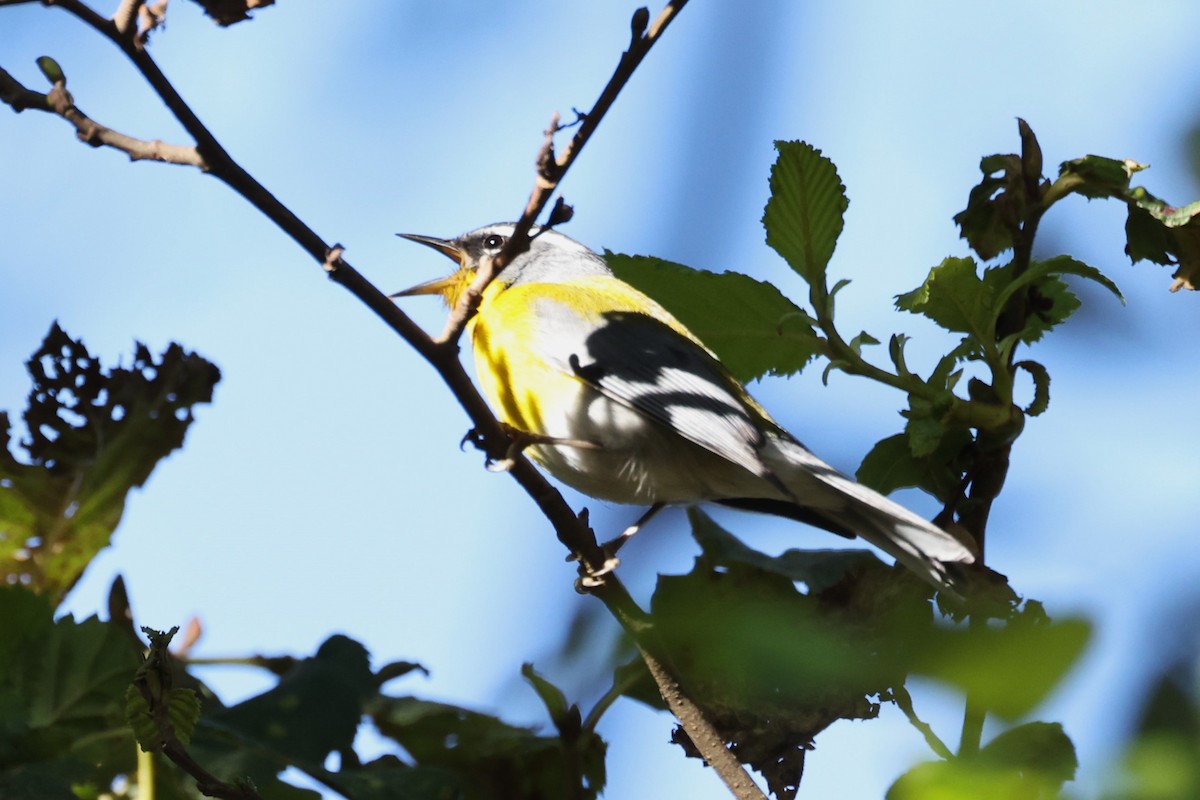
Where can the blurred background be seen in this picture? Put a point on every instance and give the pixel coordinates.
(324, 490)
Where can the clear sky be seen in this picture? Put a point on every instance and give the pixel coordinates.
(324, 490)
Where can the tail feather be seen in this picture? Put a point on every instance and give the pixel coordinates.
(844, 505)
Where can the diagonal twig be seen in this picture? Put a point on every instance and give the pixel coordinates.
(551, 168)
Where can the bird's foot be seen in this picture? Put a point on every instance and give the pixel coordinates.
(519, 440)
(591, 578)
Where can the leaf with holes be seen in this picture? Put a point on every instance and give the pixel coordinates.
(93, 436)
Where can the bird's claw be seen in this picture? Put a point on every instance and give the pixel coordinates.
(590, 578)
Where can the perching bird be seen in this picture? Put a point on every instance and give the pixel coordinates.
(642, 411)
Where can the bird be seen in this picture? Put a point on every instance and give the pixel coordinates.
(615, 397)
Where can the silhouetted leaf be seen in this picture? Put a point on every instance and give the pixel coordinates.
(94, 436)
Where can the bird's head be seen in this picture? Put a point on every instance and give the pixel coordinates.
(551, 258)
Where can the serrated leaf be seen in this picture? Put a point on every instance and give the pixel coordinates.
(1058, 265)
(803, 218)
(141, 721)
(1100, 177)
(953, 296)
(749, 324)
(771, 666)
(1041, 387)
(183, 709)
(1051, 302)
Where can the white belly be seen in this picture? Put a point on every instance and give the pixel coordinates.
(637, 460)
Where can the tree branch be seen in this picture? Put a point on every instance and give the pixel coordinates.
(60, 102)
(571, 529)
(551, 169)
(706, 738)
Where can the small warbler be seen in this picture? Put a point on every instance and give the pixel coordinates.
(623, 403)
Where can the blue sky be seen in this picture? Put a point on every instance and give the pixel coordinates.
(324, 491)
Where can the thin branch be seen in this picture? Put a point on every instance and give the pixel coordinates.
(707, 739)
(60, 102)
(904, 702)
(551, 169)
(14, 94)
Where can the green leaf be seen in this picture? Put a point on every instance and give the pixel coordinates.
(863, 339)
(954, 297)
(1154, 229)
(183, 710)
(495, 759)
(924, 435)
(1041, 387)
(61, 687)
(314, 709)
(994, 206)
(1007, 670)
(803, 218)
(1058, 265)
(896, 352)
(749, 324)
(1029, 761)
(1097, 177)
(141, 721)
(28, 620)
(891, 465)
(1050, 303)
(388, 778)
(561, 712)
(1035, 748)
(93, 436)
(772, 666)
(1159, 232)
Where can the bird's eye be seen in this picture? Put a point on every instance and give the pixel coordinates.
(493, 241)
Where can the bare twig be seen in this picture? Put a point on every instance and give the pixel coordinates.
(551, 168)
(706, 738)
(59, 101)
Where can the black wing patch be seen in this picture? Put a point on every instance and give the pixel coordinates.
(645, 364)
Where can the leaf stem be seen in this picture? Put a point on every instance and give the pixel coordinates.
(904, 703)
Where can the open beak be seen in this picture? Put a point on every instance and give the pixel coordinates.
(443, 285)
